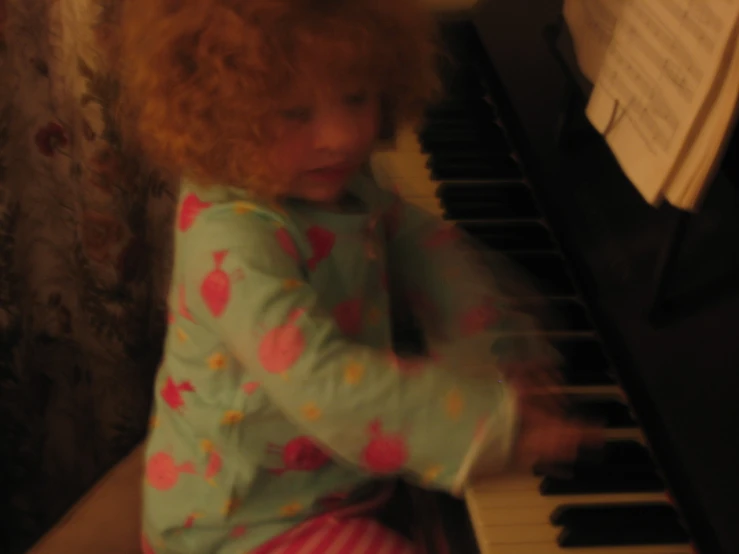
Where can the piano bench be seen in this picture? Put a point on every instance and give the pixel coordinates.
(106, 520)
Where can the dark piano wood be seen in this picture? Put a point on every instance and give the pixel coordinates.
(682, 378)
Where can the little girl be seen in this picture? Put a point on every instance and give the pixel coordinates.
(279, 394)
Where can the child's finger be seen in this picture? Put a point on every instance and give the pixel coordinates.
(592, 436)
(550, 440)
(547, 399)
(542, 374)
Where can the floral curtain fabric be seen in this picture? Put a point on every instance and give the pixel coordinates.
(84, 263)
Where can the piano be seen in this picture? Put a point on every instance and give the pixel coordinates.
(499, 158)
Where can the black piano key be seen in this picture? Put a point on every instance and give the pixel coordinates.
(584, 362)
(455, 120)
(463, 81)
(512, 235)
(622, 453)
(575, 369)
(451, 110)
(611, 413)
(567, 314)
(491, 200)
(465, 209)
(462, 127)
(548, 271)
(576, 378)
(497, 167)
(458, 111)
(593, 525)
(462, 156)
(557, 314)
(614, 453)
(632, 480)
(507, 187)
(438, 138)
(620, 467)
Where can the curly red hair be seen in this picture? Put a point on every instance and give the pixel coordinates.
(201, 78)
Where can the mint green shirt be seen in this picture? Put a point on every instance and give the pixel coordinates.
(279, 388)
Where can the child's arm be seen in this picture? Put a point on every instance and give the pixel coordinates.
(462, 295)
(363, 405)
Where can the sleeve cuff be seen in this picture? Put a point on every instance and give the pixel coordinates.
(492, 446)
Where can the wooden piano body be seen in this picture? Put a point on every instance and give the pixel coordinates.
(495, 160)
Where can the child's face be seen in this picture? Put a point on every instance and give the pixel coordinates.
(323, 138)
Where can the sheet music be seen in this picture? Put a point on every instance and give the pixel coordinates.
(654, 70)
(595, 21)
(660, 66)
(709, 142)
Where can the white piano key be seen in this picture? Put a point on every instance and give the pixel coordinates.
(509, 516)
(537, 513)
(506, 537)
(518, 522)
(523, 533)
(524, 481)
(405, 167)
(549, 548)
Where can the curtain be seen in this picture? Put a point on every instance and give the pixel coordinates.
(85, 253)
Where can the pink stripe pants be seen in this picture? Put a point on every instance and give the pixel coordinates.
(344, 536)
(343, 531)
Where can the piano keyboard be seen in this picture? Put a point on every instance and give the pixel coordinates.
(462, 167)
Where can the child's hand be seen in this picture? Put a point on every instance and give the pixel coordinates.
(547, 436)
(538, 384)
(533, 374)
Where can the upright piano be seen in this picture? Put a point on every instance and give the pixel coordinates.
(510, 158)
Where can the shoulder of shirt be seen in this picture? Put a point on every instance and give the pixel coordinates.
(229, 204)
